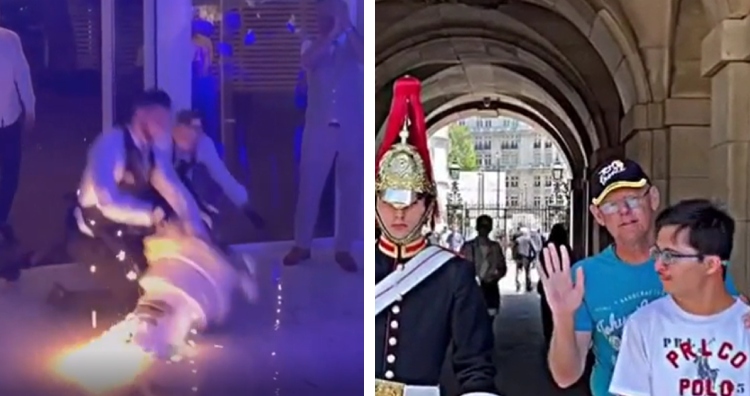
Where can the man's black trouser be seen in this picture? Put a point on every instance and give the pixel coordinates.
(10, 165)
(125, 252)
(112, 255)
(491, 293)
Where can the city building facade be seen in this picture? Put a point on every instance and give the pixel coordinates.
(515, 182)
(525, 154)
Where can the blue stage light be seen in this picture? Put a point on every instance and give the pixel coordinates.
(250, 37)
(225, 49)
(233, 20)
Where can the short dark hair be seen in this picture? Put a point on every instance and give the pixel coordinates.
(484, 219)
(558, 235)
(710, 228)
(186, 117)
(152, 97)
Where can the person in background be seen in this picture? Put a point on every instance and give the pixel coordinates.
(195, 155)
(694, 337)
(537, 242)
(300, 102)
(203, 82)
(558, 236)
(489, 262)
(592, 301)
(333, 130)
(434, 237)
(453, 239)
(17, 115)
(523, 255)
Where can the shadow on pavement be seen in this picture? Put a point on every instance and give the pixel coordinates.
(519, 352)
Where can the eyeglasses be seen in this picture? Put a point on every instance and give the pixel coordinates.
(668, 257)
(197, 127)
(632, 203)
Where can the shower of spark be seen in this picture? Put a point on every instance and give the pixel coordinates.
(105, 364)
(169, 314)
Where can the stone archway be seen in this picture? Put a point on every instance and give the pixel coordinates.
(725, 67)
(563, 65)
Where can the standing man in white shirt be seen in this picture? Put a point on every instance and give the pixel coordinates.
(333, 131)
(692, 341)
(17, 106)
(204, 83)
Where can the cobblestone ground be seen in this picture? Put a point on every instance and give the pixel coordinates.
(518, 337)
(521, 361)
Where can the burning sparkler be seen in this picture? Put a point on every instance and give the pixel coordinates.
(187, 287)
(107, 363)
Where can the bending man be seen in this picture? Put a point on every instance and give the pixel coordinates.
(194, 156)
(128, 187)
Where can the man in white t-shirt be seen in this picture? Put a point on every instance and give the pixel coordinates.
(691, 342)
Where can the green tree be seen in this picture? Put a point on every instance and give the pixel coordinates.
(462, 148)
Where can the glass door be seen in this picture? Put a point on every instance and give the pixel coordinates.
(247, 91)
(122, 57)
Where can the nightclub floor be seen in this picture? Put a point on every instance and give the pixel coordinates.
(302, 337)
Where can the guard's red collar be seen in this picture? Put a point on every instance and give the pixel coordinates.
(401, 251)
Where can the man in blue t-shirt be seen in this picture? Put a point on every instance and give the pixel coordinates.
(590, 308)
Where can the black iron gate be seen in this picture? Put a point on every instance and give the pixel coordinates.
(509, 219)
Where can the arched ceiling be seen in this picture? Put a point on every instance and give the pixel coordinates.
(447, 89)
(527, 55)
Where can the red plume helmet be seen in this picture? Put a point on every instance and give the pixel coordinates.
(403, 170)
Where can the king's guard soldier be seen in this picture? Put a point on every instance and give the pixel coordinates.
(426, 298)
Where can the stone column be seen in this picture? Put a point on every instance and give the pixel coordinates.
(687, 121)
(580, 219)
(726, 60)
(168, 48)
(646, 138)
(670, 140)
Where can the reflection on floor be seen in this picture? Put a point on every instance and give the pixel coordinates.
(316, 349)
(303, 338)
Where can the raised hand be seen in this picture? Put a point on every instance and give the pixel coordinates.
(563, 295)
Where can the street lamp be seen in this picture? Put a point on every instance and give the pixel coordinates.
(561, 190)
(455, 202)
(454, 171)
(557, 171)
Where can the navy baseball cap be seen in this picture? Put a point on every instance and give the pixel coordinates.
(614, 175)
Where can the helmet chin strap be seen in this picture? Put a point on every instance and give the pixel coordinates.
(413, 235)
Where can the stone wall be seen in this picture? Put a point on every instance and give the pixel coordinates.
(698, 145)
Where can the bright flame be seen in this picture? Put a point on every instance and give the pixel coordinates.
(105, 364)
